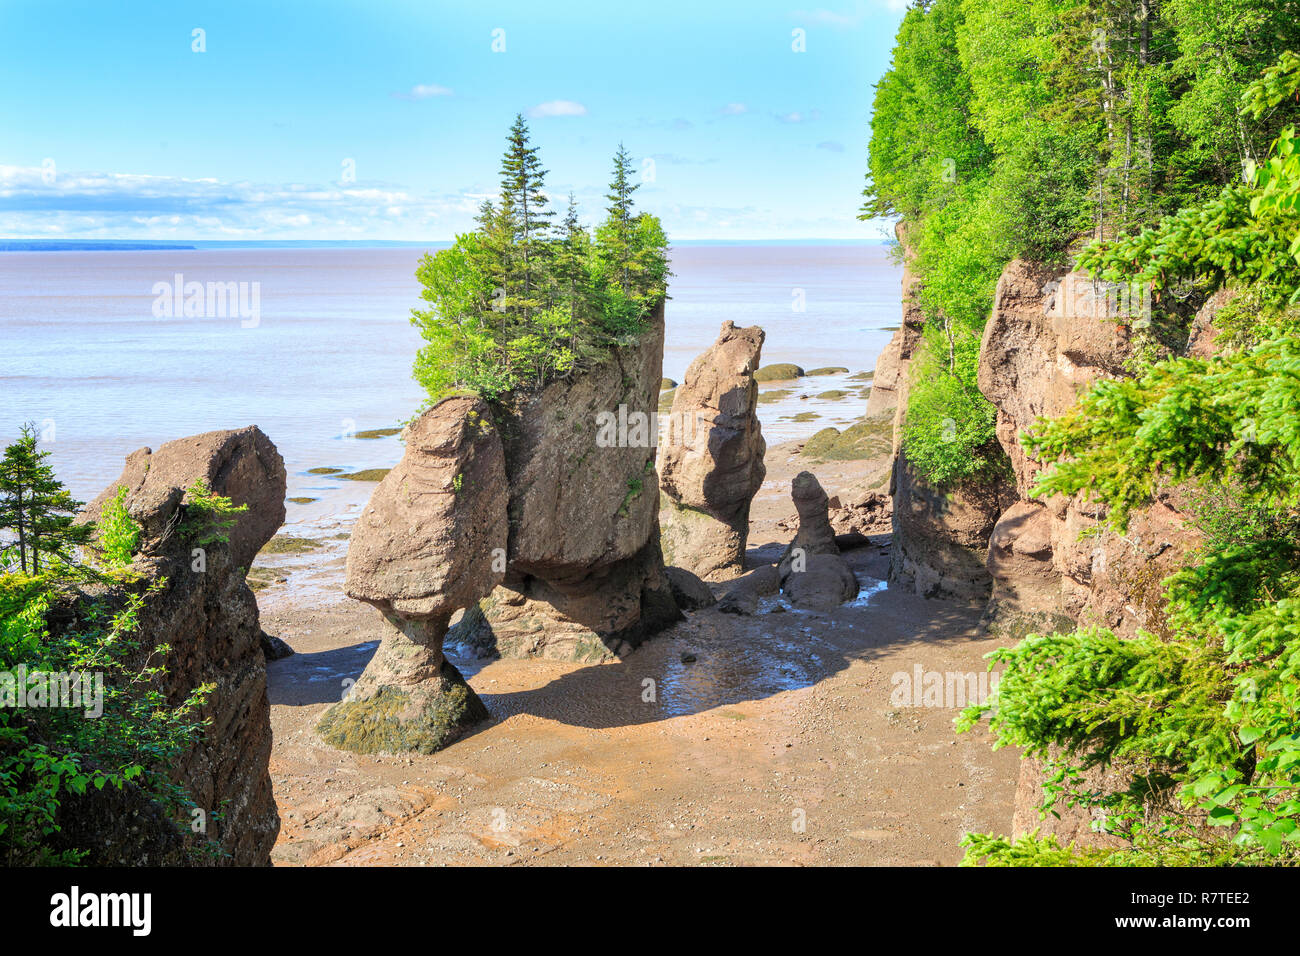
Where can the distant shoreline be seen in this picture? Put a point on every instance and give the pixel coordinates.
(146, 245)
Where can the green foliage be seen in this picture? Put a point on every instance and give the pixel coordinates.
(130, 736)
(36, 509)
(118, 532)
(1203, 721)
(1009, 128)
(51, 755)
(518, 302)
(208, 517)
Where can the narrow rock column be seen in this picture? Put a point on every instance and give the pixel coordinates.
(712, 458)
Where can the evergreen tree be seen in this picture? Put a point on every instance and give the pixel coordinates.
(525, 216)
(620, 218)
(36, 507)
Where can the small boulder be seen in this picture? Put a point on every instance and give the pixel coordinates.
(689, 591)
(823, 585)
(742, 597)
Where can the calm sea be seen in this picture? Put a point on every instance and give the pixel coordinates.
(329, 350)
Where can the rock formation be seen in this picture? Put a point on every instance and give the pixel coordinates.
(584, 575)
(207, 614)
(430, 542)
(814, 534)
(889, 382)
(743, 593)
(712, 461)
(940, 535)
(689, 591)
(813, 575)
(1050, 337)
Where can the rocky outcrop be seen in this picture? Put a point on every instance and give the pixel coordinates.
(855, 518)
(743, 594)
(813, 575)
(430, 542)
(712, 457)
(584, 575)
(690, 593)
(1052, 334)
(941, 534)
(205, 611)
(1050, 337)
(823, 583)
(814, 534)
(889, 382)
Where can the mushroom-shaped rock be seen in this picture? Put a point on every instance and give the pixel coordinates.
(712, 457)
(431, 541)
(584, 574)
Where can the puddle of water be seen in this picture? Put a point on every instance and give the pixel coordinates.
(729, 674)
(868, 593)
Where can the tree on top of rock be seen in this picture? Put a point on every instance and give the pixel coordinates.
(525, 217)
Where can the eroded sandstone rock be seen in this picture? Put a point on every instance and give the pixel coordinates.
(584, 575)
(207, 614)
(1051, 336)
(431, 541)
(712, 457)
(813, 575)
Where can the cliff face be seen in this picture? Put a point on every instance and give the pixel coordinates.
(1051, 335)
(208, 616)
(940, 535)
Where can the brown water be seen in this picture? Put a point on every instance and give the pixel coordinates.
(328, 352)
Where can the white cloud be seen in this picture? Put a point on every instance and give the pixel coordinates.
(830, 144)
(424, 91)
(95, 205)
(558, 108)
(733, 109)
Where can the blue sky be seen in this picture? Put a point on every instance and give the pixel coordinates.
(113, 127)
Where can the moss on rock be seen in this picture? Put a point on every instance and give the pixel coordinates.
(396, 720)
(369, 474)
(779, 372)
(289, 544)
(868, 438)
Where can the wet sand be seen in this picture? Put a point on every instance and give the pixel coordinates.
(778, 744)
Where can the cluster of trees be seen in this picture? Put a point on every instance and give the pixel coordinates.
(1201, 716)
(51, 754)
(524, 299)
(1008, 128)
(1168, 131)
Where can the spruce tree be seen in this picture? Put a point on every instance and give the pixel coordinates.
(35, 506)
(525, 213)
(620, 211)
